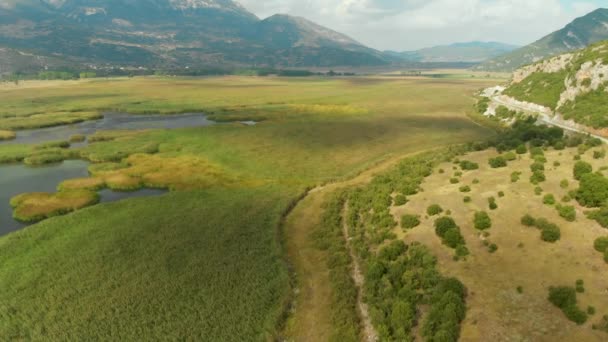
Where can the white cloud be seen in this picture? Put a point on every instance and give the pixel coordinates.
(412, 24)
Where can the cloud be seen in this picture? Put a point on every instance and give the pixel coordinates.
(412, 24)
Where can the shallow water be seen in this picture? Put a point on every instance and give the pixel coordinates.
(110, 121)
(18, 179)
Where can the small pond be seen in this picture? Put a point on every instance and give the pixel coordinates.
(18, 179)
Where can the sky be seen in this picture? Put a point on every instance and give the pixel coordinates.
(403, 25)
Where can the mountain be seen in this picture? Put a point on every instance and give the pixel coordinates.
(169, 34)
(573, 85)
(581, 32)
(470, 52)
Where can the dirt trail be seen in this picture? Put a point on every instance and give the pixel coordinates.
(311, 318)
(369, 332)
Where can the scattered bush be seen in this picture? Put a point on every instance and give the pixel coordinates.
(434, 210)
(482, 220)
(469, 166)
(475, 181)
(536, 151)
(564, 297)
(510, 156)
(567, 212)
(501, 194)
(528, 221)
(601, 244)
(400, 200)
(492, 203)
(582, 168)
(410, 221)
(465, 188)
(600, 216)
(564, 184)
(521, 149)
(538, 177)
(536, 166)
(467, 199)
(593, 190)
(550, 233)
(515, 176)
(557, 164)
(538, 191)
(454, 180)
(580, 286)
(601, 154)
(493, 248)
(498, 162)
(549, 199)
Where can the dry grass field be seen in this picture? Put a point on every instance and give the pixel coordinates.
(496, 310)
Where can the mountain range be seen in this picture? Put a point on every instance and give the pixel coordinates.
(165, 34)
(578, 34)
(469, 52)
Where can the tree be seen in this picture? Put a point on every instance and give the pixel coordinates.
(581, 168)
(482, 220)
(410, 221)
(498, 162)
(443, 224)
(568, 212)
(528, 221)
(593, 190)
(434, 209)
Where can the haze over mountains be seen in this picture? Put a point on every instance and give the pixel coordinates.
(578, 34)
(176, 34)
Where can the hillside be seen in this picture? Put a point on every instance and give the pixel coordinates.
(472, 52)
(578, 34)
(168, 34)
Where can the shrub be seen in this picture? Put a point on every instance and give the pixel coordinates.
(400, 200)
(482, 220)
(441, 171)
(510, 156)
(593, 190)
(475, 181)
(601, 244)
(410, 221)
(493, 248)
(580, 286)
(568, 212)
(521, 149)
(467, 165)
(566, 199)
(591, 310)
(536, 151)
(536, 166)
(492, 203)
(443, 224)
(582, 168)
(454, 180)
(465, 188)
(557, 164)
(549, 199)
(528, 221)
(564, 297)
(498, 162)
(458, 174)
(501, 194)
(600, 216)
(434, 210)
(550, 233)
(601, 154)
(538, 177)
(515, 176)
(467, 199)
(564, 184)
(453, 238)
(538, 191)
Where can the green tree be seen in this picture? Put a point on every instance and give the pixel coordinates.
(482, 220)
(581, 168)
(593, 190)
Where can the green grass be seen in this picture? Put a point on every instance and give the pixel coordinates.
(540, 87)
(185, 266)
(203, 265)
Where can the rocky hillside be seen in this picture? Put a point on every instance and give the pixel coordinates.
(574, 86)
(583, 31)
(470, 52)
(168, 33)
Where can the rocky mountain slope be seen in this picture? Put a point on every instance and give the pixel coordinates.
(470, 52)
(581, 32)
(169, 33)
(570, 90)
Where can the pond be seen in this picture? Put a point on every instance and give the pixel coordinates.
(111, 121)
(18, 179)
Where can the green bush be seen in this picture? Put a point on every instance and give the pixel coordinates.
(593, 190)
(601, 244)
(492, 203)
(501, 194)
(454, 180)
(536, 151)
(443, 224)
(537, 177)
(498, 162)
(434, 210)
(528, 221)
(515, 176)
(564, 297)
(465, 188)
(567, 212)
(549, 199)
(410, 221)
(400, 200)
(475, 181)
(510, 156)
(601, 154)
(580, 286)
(493, 248)
(521, 149)
(582, 168)
(600, 216)
(482, 220)
(536, 166)
(467, 199)
(538, 191)
(564, 184)
(550, 233)
(468, 165)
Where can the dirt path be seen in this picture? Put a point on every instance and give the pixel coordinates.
(311, 317)
(369, 332)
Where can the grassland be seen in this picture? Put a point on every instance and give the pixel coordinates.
(204, 262)
(509, 285)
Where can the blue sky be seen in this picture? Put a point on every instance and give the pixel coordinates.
(413, 24)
